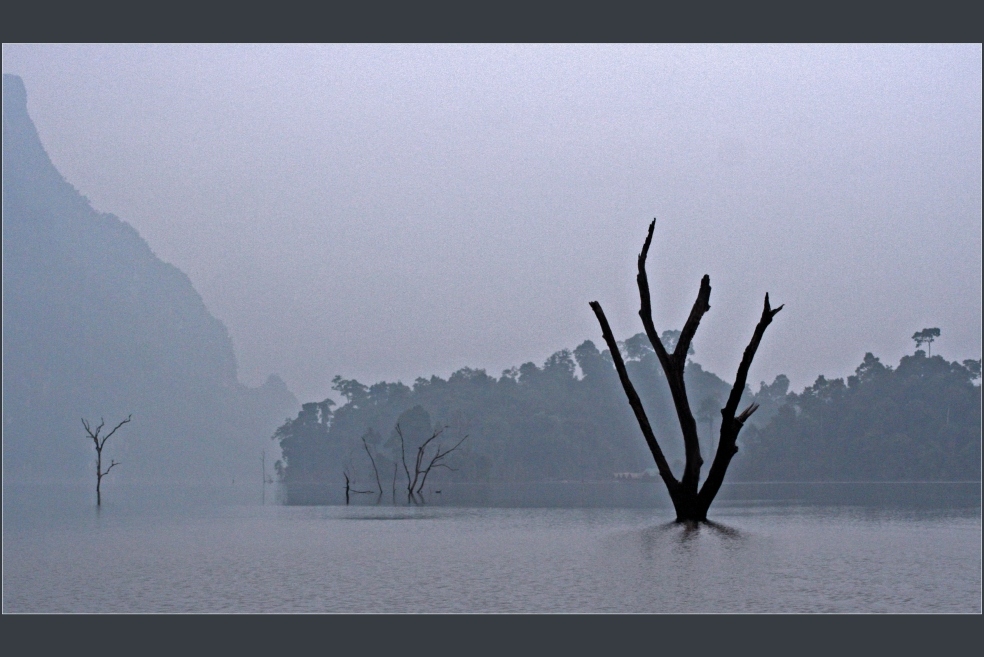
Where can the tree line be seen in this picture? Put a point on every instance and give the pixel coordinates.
(567, 420)
(919, 421)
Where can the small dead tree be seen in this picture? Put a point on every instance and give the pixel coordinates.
(100, 443)
(690, 502)
(349, 489)
(348, 482)
(415, 484)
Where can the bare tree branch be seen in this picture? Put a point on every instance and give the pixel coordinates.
(747, 413)
(646, 310)
(349, 489)
(674, 364)
(746, 360)
(403, 457)
(94, 436)
(128, 418)
(441, 455)
(730, 424)
(417, 471)
(634, 401)
(436, 461)
(701, 306)
(375, 471)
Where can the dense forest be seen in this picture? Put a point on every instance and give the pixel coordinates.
(564, 421)
(568, 420)
(920, 421)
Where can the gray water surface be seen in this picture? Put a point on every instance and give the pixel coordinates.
(757, 557)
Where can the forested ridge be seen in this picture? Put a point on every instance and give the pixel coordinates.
(568, 420)
(919, 421)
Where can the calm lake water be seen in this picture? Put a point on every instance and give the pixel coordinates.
(911, 548)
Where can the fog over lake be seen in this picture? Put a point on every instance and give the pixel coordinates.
(201, 243)
(395, 211)
(897, 549)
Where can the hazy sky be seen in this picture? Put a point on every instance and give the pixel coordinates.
(389, 212)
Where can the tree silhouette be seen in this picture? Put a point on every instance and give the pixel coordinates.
(690, 502)
(927, 335)
(422, 464)
(100, 443)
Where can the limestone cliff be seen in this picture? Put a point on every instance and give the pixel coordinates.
(94, 324)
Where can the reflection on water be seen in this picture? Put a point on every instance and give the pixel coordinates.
(648, 495)
(683, 533)
(754, 557)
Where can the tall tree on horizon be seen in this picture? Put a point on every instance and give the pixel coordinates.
(927, 335)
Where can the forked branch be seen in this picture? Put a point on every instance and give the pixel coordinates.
(437, 462)
(690, 504)
(122, 422)
(674, 364)
(746, 360)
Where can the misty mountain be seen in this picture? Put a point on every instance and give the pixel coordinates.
(95, 325)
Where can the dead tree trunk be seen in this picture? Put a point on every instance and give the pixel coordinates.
(690, 501)
(100, 443)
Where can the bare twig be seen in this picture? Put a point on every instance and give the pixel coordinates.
(128, 418)
(403, 457)
(375, 471)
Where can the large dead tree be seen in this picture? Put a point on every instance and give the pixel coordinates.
(690, 501)
(100, 443)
